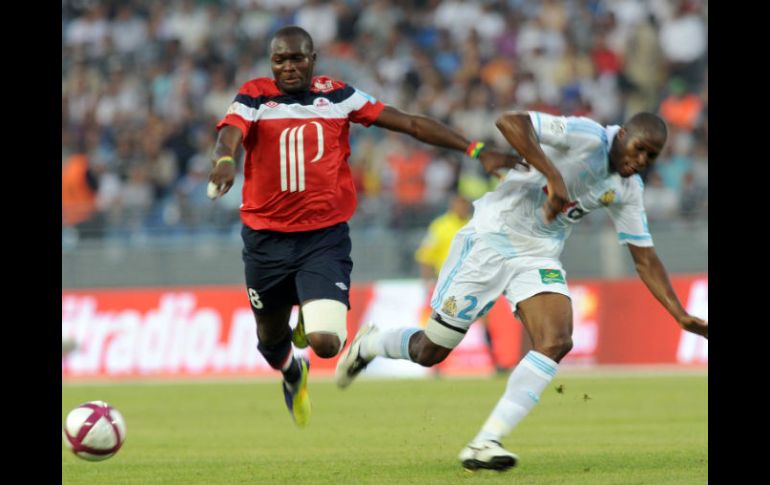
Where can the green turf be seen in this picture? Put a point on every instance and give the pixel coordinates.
(610, 430)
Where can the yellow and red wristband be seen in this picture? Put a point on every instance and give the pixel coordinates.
(474, 149)
(225, 159)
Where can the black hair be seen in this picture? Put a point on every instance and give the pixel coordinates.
(648, 123)
(294, 30)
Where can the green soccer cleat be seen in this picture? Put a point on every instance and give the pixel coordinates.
(297, 397)
(298, 336)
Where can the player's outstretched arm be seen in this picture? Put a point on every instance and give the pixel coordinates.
(222, 174)
(434, 132)
(651, 271)
(517, 128)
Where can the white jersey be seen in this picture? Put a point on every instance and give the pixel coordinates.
(510, 218)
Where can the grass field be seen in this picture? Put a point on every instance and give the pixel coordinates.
(600, 430)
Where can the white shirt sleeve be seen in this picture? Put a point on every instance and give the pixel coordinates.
(568, 133)
(628, 214)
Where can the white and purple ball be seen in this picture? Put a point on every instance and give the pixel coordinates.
(94, 431)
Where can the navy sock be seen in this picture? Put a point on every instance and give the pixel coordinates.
(292, 372)
(280, 357)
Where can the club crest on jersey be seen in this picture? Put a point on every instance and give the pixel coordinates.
(557, 126)
(608, 197)
(450, 306)
(322, 104)
(323, 86)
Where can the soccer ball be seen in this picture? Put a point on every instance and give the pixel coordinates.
(94, 431)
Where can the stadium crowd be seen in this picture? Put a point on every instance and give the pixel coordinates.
(145, 82)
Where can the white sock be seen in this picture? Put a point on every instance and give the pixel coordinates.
(287, 363)
(393, 344)
(525, 384)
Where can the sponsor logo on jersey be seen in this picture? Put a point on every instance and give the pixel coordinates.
(321, 104)
(551, 276)
(608, 197)
(450, 306)
(573, 211)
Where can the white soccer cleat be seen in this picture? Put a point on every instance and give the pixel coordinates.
(351, 363)
(487, 454)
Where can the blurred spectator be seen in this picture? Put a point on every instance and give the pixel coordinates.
(684, 42)
(319, 18)
(187, 23)
(128, 30)
(440, 181)
(473, 181)
(87, 34)
(643, 66)
(473, 115)
(457, 17)
(678, 160)
(136, 198)
(408, 167)
(141, 79)
(378, 20)
(219, 95)
(660, 202)
(681, 108)
(78, 191)
(695, 188)
(606, 60)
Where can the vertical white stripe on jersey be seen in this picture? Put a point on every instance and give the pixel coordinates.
(320, 131)
(301, 158)
(282, 147)
(292, 161)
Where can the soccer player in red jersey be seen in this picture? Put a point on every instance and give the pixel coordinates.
(298, 195)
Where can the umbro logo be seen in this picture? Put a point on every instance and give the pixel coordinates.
(271, 104)
(342, 286)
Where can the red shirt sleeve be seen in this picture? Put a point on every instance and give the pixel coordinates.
(242, 111)
(368, 113)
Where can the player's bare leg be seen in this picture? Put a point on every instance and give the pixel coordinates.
(324, 344)
(425, 352)
(547, 317)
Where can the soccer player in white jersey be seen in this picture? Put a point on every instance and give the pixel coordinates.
(511, 246)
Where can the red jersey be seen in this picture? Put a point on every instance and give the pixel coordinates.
(297, 176)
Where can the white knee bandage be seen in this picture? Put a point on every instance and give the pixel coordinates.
(328, 316)
(443, 335)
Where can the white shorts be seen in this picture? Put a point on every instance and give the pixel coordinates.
(474, 276)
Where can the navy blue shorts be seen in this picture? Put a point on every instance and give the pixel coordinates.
(288, 268)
